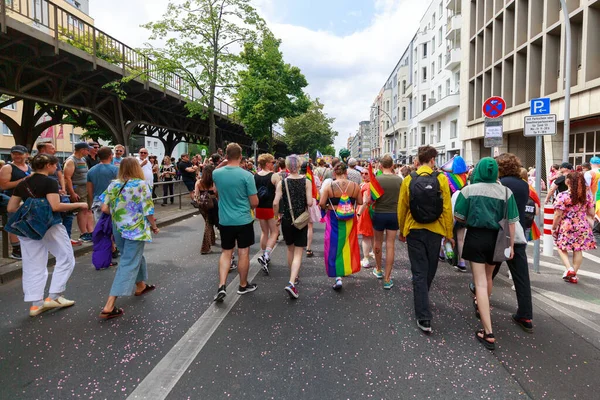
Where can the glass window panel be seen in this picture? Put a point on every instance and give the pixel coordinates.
(572, 144)
(578, 161)
(589, 142)
(579, 148)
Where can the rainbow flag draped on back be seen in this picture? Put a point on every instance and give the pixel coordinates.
(374, 185)
(342, 254)
(310, 177)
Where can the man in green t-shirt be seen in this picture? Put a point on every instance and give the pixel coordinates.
(237, 198)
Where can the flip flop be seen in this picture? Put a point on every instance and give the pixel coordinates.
(147, 289)
(116, 312)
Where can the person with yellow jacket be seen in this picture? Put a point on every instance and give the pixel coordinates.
(424, 217)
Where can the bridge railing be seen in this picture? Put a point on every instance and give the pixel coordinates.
(59, 23)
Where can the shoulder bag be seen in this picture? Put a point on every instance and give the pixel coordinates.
(304, 218)
(502, 248)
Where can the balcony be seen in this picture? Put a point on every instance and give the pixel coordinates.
(454, 24)
(439, 108)
(408, 92)
(453, 57)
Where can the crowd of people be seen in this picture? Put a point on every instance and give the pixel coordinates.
(482, 214)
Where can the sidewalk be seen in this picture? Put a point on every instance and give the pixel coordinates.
(12, 269)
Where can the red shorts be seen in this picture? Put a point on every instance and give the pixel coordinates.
(265, 213)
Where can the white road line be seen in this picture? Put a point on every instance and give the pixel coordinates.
(562, 269)
(162, 379)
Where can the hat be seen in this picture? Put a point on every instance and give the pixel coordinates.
(19, 149)
(82, 145)
(567, 165)
(352, 162)
(595, 160)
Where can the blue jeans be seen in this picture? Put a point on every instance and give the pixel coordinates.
(132, 265)
(67, 217)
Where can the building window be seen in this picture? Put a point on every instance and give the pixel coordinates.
(439, 131)
(432, 45)
(423, 135)
(457, 80)
(440, 36)
(424, 72)
(440, 10)
(423, 102)
(424, 50)
(432, 69)
(403, 86)
(448, 87)
(439, 92)
(403, 113)
(387, 124)
(431, 134)
(4, 129)
(453, 129)
(416, 56)
(433, 20)
(440, 63)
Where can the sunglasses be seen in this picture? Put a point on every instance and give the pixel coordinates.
(143, 152)
(119, 150)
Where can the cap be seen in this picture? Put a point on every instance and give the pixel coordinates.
(19, 149)
(567, 165)
(82, 145)
(595, 160)
(352, 162)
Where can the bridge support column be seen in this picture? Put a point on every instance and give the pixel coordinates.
(27, 132)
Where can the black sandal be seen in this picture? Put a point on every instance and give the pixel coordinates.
(309, 253)
(116, 312)
(484, 339)
(477, 315)
(147, 289)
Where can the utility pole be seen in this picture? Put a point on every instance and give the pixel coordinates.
(567, 80)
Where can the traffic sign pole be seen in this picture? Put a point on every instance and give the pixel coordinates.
(538, 189)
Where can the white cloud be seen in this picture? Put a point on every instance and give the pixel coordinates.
(345, 72)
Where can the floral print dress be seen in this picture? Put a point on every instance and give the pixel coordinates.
(574, 232)
(130, 207)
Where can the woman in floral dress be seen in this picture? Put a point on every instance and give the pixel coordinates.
(128, 199)
(572, 227)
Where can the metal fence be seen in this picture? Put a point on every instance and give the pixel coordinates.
(67, 27)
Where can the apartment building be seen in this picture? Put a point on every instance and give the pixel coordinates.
(359, 144)
(515, 49)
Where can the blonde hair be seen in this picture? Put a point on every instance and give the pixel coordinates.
(523, 173)
(265, 159)
(130, 169)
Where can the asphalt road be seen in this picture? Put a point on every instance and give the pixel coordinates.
(361, 342)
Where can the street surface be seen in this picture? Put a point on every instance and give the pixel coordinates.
(359, 343)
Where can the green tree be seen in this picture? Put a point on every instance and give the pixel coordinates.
(200, 38)
(268, 89)
(85, 121)
(310, 131)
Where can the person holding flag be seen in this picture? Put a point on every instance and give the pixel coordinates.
(315, 212)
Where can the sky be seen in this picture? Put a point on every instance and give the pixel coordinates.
(345, 48)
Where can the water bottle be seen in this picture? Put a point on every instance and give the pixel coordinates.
(449, 253)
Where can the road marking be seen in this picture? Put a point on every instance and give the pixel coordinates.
(562, 268)
(568, 300)
(165, 375)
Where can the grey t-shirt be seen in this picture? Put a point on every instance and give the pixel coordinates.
(388, 202)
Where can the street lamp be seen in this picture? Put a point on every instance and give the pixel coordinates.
(567, 120)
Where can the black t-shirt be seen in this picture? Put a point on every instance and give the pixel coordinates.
(520, 190)
(186, 176)
(39, 184)
(91, 162)
(561, 184)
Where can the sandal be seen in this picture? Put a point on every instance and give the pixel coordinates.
(484, 339)
(477, 315)
(147, 289)
(116, 312)
(309, 253)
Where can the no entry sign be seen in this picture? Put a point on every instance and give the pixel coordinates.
(494, 107)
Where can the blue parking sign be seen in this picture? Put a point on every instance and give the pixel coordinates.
(540, 106)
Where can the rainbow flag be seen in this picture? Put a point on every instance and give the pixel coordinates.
(534, 233)
(374, 186)
(342, 254)
(310, 177)
(456, 181)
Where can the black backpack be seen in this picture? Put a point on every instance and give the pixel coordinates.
(426, 203)
(529, 216)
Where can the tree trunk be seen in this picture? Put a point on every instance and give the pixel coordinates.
(271, 148)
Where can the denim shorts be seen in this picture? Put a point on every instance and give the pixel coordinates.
(385, 221)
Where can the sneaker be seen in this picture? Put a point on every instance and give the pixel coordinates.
(221, 293)
(460, 268)
(338, 284)
(292, 291)
(116, 254)
(75, 243)
(372, 255)
(57, 303)
(365, 263)
(85, 237)
(264, 262)
(472, 287)
(297, 281)
(378, 273)
(387, 285)
(232, 265)
(16, 253)
(250, 287)
(424, 325)
(36, 310)
(570, 273)
(523, 323)
(573, 279)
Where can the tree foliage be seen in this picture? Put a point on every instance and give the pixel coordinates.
(85, 121)
(310, 131)
(200, 39)
(269, 89)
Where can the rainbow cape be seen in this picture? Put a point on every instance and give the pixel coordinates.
(342, 254)
(374, 185)
(310, 177)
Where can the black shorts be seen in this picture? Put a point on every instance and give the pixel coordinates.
(293, 235)
(190, 185)
(479, 245)
(243, 235)
(385, 221)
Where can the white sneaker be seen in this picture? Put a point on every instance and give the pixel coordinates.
(372, 255)
(365, 263)
(57, 303)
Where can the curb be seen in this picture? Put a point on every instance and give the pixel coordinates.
(14, 270)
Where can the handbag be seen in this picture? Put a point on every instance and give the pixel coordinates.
(304, 218)
(502, 248)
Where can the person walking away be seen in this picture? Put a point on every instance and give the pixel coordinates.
(314, 210)
(98, 179)
(128, 200)
(188, 174)
(266, 181)
(559, 185)
(167, 173)
(10, 176)
(207, 195)
(365, 224)
(385, 220)
(571, 228)
(353, 173)
(55, 240)
(293, 197)
(424, 217)
(237, 198)
(119, 154)
(339, 199)
(75, 170)
(92, 158)
(481, 206)
(146, 165)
